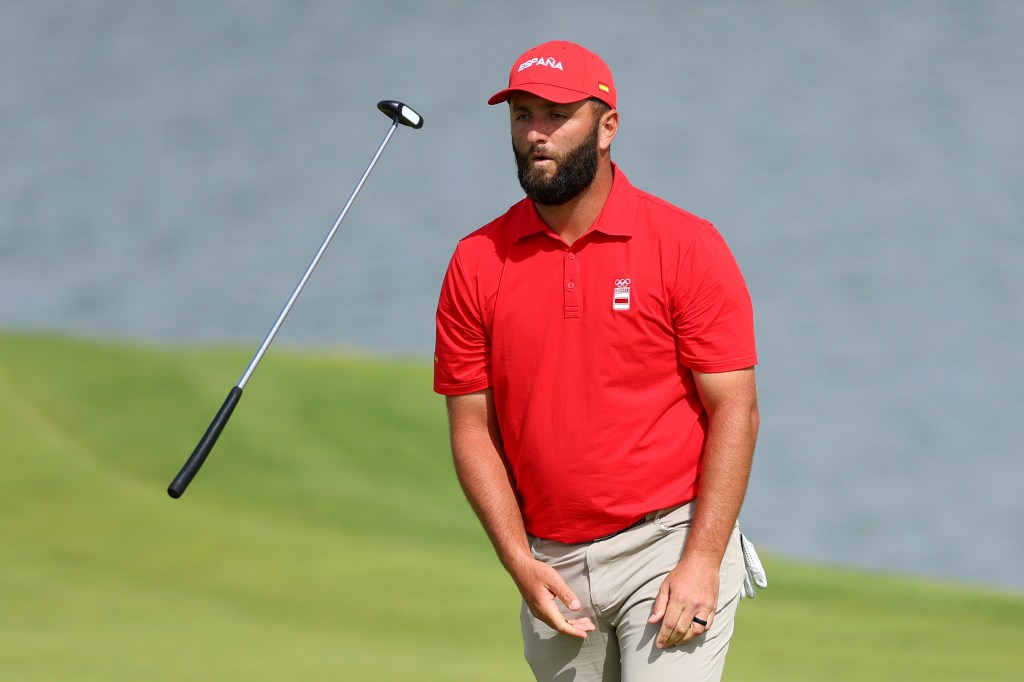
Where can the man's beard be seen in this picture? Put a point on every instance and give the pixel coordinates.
(577, 169)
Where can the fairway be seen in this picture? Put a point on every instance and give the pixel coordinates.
(326, 539)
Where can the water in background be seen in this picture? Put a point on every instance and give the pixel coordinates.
(167, 170)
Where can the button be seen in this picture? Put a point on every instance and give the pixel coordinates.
(572, 256)
(570, 285)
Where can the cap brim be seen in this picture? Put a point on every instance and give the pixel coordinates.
(552, 93)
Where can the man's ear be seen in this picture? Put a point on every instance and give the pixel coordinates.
(607, 128)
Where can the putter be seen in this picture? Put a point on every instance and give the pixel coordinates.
(398, 113)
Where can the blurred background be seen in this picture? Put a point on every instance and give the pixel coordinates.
(167, 170)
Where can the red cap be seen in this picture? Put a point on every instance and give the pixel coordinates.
(561, 72)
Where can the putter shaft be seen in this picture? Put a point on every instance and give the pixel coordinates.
(399, 113)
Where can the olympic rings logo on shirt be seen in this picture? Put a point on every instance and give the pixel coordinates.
(622, 282)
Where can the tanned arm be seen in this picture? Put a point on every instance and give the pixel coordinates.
(691, 589)
(480, 466)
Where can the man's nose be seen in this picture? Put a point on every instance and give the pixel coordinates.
(535, 134)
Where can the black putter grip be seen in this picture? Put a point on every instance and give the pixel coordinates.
(206, 443)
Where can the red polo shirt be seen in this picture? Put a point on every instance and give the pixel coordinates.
(589, 350)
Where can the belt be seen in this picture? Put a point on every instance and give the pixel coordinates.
(642, 520)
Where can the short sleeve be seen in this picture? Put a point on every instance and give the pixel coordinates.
(461, 349)
(714, 316)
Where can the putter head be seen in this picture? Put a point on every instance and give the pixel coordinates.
(401, 113)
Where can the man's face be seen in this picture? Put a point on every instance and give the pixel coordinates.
(555, 147)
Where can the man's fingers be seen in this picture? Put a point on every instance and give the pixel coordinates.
(702, 623)
(673, 627)
(556, 590)
(570, 601)
(680, 623)
(579, 627)
(576, 627)
(670, 613)
(683, 630)
(659, 605)
(558, 587)
(698, 626)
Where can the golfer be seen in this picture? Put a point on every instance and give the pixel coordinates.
(596, 347)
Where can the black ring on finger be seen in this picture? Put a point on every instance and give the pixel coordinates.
(700, 621)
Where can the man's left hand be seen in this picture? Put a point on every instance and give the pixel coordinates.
(690, 590)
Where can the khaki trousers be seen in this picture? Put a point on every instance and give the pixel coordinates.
(616, 580)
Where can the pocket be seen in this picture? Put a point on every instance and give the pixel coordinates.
(674, 526)
(676, 520)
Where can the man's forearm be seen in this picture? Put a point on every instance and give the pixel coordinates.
(484, 477)
(486, 481)
(487, 487)
(728, 454)
(723, 486)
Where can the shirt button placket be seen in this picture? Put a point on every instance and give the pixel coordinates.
(572, 294)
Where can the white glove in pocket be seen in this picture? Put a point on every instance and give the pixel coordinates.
(754, 575)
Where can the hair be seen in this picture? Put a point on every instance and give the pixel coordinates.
(598, 105)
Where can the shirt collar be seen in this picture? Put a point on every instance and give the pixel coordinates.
(616, 217)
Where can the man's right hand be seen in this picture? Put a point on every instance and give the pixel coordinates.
(542, 587)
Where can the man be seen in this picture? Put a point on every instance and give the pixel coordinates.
(596, 348)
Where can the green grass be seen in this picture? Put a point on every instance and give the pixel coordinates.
(326, 539)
